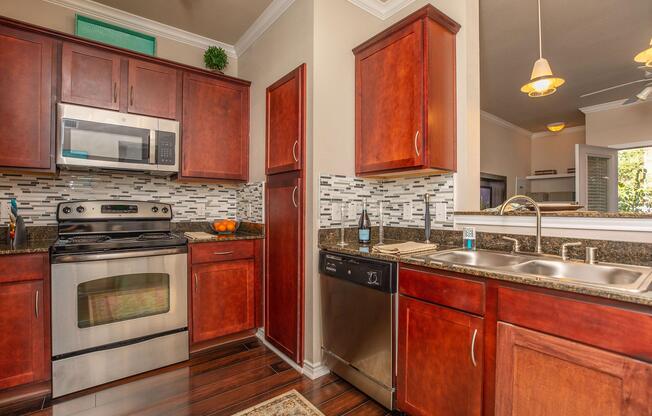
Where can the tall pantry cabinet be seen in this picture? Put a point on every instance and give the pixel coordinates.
(285, 213)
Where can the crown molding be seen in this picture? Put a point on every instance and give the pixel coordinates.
(504, 123)
(382, 10)
(132, 21)
(609, 106)
(266, 19)
(568, 130)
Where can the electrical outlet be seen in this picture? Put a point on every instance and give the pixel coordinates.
(249, 210)
(336, 213)
(353, 211)
(407, 211)
(4, 210)
(201, 210)
(440, 212)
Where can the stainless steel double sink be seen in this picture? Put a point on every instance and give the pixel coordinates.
(613, 276)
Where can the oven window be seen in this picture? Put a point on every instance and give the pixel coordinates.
(104, 142)
(119, 298)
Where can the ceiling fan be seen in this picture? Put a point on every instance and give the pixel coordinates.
(643, 95)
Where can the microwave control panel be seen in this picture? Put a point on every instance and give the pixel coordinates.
(165, 148)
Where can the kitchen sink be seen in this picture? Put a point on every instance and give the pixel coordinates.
(476, 258)
(613, 276)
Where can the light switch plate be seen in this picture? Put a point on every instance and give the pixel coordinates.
(440, 212)
(407, 211)
(201, 210)
(336, 213)
(353, 211)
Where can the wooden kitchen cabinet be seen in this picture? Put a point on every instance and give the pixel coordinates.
(153, 89)
(286, 118)
(540, 374)
(90, 76)
(26, 113)
(405, 105)
(222, 298)
(284, 260)
(24, 319)
(440, 360)
(215, 139)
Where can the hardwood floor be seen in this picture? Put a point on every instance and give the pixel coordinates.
(221, 381)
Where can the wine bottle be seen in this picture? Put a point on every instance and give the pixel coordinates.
(364, 226)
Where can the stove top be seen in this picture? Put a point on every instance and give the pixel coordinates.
(99, 226)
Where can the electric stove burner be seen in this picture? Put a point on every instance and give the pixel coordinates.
(155, 236)
(88, 239)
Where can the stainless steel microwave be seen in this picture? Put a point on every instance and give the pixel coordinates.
(91, 138)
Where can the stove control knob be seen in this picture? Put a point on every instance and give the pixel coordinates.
(80, 209)
(165, 210)
(66, 210)
(154, 209)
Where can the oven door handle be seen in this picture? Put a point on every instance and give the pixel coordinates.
(75, 258)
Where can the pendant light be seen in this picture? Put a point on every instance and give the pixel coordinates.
(645, 57)
(542, 82)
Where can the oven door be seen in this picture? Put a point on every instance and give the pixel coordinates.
(101, 300)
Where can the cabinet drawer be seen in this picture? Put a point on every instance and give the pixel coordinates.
(22, 267)
(221, 251)
(452, 291)
(608, 327)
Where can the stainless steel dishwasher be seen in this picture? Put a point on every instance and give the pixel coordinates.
(358, 303)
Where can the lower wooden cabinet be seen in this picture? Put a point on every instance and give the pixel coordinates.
(440, 360)
(222, 298)
(24, 320)
(540, 374)
(224, 290)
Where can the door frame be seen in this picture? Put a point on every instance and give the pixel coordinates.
(582, 152)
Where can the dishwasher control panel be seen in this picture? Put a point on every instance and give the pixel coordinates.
(376, 274)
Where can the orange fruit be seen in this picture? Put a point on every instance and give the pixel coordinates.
(230, 226)
(221, 228)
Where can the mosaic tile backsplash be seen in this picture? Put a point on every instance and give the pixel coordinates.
(38, 196)
(250, 202)
(402, 200)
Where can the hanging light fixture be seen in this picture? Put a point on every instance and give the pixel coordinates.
(645, 57)
(542, 82)
(556, 127)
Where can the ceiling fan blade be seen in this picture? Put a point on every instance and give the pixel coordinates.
(630, 100)
(613, 88)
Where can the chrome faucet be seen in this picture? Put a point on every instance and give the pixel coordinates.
(426, 200)
(538, 249)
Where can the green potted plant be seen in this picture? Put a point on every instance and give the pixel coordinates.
(215, 58)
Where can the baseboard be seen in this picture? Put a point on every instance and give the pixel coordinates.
(310, 370)
(260, 334)
(314, 370)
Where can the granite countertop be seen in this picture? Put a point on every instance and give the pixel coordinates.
(226, 237)
(576, 214)
(31, 246)
(644, 298)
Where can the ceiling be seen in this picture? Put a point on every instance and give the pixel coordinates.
(222, 20)
(589, 43)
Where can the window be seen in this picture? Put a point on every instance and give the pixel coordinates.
(635, 180)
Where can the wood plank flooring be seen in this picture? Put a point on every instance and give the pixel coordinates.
(221, 381)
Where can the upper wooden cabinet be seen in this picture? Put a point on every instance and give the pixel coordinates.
(405, 102)
(153, 89)
(539, 374)
(90, 76)
(285, 130)
(215, 140)
(26, 80)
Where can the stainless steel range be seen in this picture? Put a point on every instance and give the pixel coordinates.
(119, 293)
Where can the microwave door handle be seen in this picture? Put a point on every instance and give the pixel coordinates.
(152, 147)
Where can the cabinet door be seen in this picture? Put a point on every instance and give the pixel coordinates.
(152, 89)
(440, 361)
(222, 298)
(90, 77)
(284, 264)
(390, 102)
(26, 110)
(215, 140)
(22, 325)
(540, 374)
(285, 129)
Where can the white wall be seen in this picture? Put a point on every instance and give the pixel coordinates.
(622, 126)
(59, 18)
(504, 150)
(556, 150)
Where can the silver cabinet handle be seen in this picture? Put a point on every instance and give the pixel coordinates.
(294, 150)
(416, 143)
(475, 334)
(36, 303)
(222, 253)
(131, 95)
(294, 201)
(115, 92)
(196, 283)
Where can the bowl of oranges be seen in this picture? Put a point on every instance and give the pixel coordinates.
(225, 226)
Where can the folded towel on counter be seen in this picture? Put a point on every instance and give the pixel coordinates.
(198, 235)
(404, 248)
